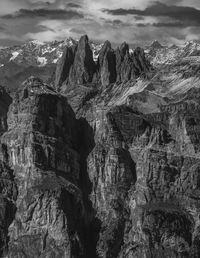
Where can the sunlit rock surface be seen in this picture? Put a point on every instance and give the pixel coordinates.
(105, 164)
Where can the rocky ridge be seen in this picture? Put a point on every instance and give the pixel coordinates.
(105, 164)
(34, 58)
(112, 65)
(39, 59)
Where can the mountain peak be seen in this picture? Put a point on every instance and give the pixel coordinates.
(35, 42)
(84, 40)
(156, 44)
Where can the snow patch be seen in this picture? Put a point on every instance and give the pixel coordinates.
(55, 61)
(42, 61)
(14, 55)
(37, 42)
(131, 51)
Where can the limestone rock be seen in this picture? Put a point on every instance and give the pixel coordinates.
(77, 67)
(114, 176)
(106, 64)
(84, 67)
(5, 101)
(41, 150)
(64, 65)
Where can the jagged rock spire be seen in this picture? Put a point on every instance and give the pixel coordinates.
(107, 64)
(84, 67)
(78, 67)
(64, 65)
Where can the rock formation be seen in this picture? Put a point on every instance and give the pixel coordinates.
(40, 148)
(123, 64)
(5, 101)
(64, 65)
(77, 67)
(83, 68)
(106, 64)
(114, 175)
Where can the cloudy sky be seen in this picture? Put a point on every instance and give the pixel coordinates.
(134, 21)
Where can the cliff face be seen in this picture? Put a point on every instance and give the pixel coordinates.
(76, 66)
(41, 151)
(114, 176)
(145, 185)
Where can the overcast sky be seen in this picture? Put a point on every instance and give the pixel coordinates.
(134, 21)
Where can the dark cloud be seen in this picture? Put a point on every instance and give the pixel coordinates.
(46, 20)
(78, 31)
(118, 23)
(73, 5)
(138, 18)
(44, 28)
(170, 24)
(163, 24)
(7, 42)
(58, 14)
(180, 13)
(2, 28)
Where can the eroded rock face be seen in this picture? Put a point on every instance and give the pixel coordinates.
(77, 67)
(5, 101)
(144, 170)
(106, 64)
(116, 177)
(64, 65)
(84, 67)
(123, 65)
(41, 151)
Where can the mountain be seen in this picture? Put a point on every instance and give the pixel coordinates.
(77, 65)
(105, 161)
(156, 45)
(36, 53)
(39, 59)
(161, 55)
(34, 58)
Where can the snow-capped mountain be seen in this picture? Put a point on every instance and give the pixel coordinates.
(37, 53)
(160, 55)
(39, 59)
(34, 58)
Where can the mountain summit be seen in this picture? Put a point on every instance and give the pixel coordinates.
(112, 65)
(102, 158)
(156, 45)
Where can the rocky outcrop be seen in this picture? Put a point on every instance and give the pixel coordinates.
(156, 45)
(145, 185)
(84, 67)
(106, 64)
(77, 66)
(5, 101)
(141, 64)
(123, 64)
(40, 147)
(64, 65)
(116, 177)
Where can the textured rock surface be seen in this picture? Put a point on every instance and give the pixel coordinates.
(116, 175)
(112, 65)
(64, 65)
(106, 64)
(83, 68)
(40, 147)
(5, 101)
(144, 167)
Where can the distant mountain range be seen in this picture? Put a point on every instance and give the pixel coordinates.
(36, 58)
(159, 55)
(102, 158)
(36, 53)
